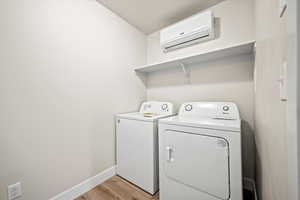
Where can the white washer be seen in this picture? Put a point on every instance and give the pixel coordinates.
(137, 144)
(200, 153)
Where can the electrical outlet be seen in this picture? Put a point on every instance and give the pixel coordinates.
(14, 191)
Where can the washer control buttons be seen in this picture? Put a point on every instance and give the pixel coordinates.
(164, 106)
(226, 108)
(188, 107)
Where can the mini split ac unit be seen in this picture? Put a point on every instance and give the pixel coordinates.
(195, 29)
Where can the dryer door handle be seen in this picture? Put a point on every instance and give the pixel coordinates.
(169, 154)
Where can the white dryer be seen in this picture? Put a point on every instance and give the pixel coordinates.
(200, 153)
(137, 144)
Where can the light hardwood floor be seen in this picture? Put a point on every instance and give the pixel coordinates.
(117, 188)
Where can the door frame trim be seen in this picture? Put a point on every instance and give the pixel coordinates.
(293, 104)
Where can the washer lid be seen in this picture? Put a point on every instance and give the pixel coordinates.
(142, 117)
(217, 124)
(150, 111)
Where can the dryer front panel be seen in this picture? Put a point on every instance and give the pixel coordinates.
(198, 161)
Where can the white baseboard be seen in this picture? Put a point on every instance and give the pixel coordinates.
(86, 185)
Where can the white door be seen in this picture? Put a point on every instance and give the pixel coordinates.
(199, 162)
(135, 152)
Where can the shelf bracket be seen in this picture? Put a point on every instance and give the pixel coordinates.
(186, 72)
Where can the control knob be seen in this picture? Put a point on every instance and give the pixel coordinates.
(188, 107)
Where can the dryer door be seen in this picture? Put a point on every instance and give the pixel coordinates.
(200, 162)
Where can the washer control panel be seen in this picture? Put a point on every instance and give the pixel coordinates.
(157, 108)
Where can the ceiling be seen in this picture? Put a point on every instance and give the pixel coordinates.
(152, 15)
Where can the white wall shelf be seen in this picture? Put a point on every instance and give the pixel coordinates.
(239, 49)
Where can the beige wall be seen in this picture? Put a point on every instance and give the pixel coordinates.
(63, 75)
(270, 112)
(228, 79)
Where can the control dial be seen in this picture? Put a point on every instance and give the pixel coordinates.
(225, 108)
(164, 106)
(188, 107)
